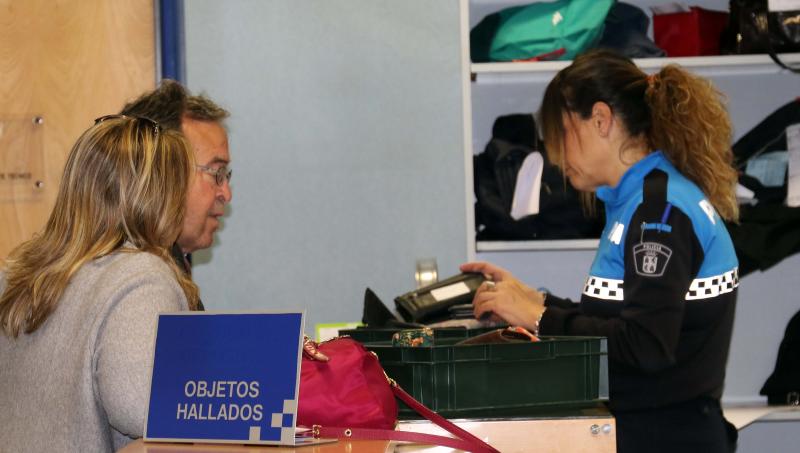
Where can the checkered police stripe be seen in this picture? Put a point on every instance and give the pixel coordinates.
(706, 288)
(603, 288)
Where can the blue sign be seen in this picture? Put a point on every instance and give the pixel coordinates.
(225, 377)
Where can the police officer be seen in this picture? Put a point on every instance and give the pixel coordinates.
(655, 149)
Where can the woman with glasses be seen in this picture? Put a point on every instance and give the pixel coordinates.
(79, 301)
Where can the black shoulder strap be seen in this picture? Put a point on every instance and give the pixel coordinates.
(654, 196)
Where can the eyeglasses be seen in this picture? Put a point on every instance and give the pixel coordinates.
(220, 174)
(153, 123)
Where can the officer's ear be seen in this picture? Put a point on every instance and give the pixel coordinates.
(602, 118)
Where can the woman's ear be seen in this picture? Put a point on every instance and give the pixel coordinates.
(602, 118)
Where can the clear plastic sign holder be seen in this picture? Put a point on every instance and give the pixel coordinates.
(21, 158)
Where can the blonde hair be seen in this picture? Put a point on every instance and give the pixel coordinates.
(675, 111)
(123, 188)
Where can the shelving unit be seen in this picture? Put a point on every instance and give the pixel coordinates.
(755, 86)
(494, 89)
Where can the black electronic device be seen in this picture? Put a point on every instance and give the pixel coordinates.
(432, 303)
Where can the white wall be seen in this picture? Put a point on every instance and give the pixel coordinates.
(347, 146)
(347, 143)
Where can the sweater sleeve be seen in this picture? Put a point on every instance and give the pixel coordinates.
(124, 353)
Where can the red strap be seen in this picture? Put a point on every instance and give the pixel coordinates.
(405, 436)
(463, 441)
(552, 55)
(441, 421)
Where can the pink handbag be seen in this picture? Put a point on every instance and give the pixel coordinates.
(350, 396)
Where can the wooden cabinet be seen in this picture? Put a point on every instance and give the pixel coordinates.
(66, 63)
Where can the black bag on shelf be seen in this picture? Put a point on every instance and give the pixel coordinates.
(561, 214)
(626, 32)
(783, 385)
(767, 136)
(769, 231)
(753, 28)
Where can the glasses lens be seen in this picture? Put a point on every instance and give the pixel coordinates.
(222, 174)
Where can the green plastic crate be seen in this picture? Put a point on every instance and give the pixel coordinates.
(553, 376)
(377, 335)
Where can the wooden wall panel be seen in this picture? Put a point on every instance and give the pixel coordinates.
(68, 61)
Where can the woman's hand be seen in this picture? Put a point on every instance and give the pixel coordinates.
(506, 297)
(492, 272)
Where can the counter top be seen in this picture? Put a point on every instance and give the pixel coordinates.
(743, 415)
(591, 432)
(360, 446)
(595, 434)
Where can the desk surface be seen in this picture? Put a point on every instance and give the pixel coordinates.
(742, 416)
(595, 434)
(361, 446)
(569, 434)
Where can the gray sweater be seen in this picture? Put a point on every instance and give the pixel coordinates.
(80, 382)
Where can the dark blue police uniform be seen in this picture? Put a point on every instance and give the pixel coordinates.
(662, 289)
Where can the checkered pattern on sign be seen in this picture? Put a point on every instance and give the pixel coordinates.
(285, 421)
(603, 288)
(706, 288)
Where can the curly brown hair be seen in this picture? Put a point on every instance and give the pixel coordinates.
(675, 111)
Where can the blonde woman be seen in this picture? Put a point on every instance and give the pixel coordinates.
(79, 301)
(662, 288)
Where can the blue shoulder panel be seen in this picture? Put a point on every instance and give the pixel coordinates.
(622, 202)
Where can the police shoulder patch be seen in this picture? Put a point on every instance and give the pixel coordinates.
(651, 258)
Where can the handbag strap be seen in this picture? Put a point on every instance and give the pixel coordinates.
(463, 440)
(780, 62)
(764, 29)
(404, 436)
(444, 423)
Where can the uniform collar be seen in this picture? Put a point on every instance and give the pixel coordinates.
(631, 181)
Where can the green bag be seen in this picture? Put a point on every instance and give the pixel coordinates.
(557, 30)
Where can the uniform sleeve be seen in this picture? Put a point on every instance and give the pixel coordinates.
(125, 346)
(662, 255)
(555, 301)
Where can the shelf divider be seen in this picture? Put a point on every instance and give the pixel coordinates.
(710, 65)
(537, 245)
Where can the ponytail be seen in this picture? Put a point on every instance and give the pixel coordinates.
(690, 124)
